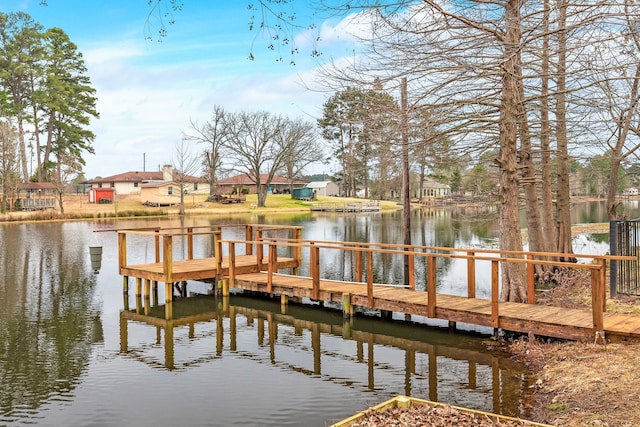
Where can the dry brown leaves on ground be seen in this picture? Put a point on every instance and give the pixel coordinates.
(583, 384)
(435, 416)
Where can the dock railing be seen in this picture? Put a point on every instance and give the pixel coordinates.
(164, 242)
(364, 256)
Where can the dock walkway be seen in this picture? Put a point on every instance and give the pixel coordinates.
(257, 268)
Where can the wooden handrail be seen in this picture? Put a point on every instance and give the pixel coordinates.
(255, 236)
(452, 255)
(417, 248)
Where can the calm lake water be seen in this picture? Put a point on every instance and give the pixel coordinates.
(71, 355)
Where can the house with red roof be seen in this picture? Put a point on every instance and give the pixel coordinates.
(154, 187)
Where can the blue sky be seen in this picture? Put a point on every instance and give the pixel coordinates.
(148, 91)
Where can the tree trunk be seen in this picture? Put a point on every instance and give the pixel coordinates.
(406, 198)
(563, 202)
(617, 155)
(181, 188)
(549, 229)
(513, 275)
(528, 174)
(23, 151)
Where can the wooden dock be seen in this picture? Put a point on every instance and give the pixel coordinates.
(368, 206)
(253, 264)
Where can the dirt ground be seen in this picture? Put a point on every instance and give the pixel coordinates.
(582, 384)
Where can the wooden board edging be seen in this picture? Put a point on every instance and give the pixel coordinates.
(407, 402)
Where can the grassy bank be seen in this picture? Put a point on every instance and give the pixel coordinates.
(78, 207)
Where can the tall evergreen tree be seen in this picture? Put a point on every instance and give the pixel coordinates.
(68, 103)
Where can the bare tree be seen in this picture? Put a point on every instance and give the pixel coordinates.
(254, 149)
(212, 134)
(301, 147)
(185, 165)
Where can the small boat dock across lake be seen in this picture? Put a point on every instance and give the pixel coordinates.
(276, 262)
(368, 206)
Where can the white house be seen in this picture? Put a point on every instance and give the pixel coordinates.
(324, 188)
(132, 182)
(431, 190)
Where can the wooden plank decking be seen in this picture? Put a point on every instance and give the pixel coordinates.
(200, 269)
(558, 322)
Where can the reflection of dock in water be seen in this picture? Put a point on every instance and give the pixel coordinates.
(306, 329)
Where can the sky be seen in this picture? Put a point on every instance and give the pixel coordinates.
(149, 91)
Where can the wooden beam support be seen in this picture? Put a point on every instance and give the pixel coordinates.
(495, 280)
(358, 252)
(259, 248)
(248, 233)
(531, 281)
(232, 264)
(167, 249)
(369, 257)
(314, 269)
(272, 266)
(189, 242)
(122, 249)
(297, 250)
(597, 302)
(157, 244)
(471, 275)
(431, 286)
(412, 270)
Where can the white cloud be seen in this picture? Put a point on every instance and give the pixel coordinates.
(145, 104)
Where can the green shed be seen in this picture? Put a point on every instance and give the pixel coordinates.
(303, 193)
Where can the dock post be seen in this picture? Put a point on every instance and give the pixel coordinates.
(147, 288)
(167, 266)
(347, 307)
(168, 292)
(249, 239)
(138, 286)
(347, 323)
(452, 326)
(386, 314)
(297, 250)
(125, 284)
(225, 287)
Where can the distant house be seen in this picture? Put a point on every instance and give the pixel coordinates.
(431, 190)
(325, 188)
(127, 182)
(244, 183)
(154, 187)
